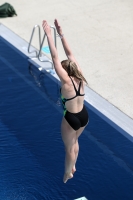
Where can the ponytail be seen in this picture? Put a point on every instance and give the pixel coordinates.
(72, 70)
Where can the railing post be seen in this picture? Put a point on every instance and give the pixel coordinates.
(36, 26)
(41, 50)
(38, 55)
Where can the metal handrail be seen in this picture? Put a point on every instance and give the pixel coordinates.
(39, 54)
(41, 47)
(36, 26)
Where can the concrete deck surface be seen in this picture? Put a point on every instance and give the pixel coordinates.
(100, 33)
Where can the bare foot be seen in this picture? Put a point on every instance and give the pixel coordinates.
(67, 176)
(73, 170)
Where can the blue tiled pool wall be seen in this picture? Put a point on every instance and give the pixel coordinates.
(109, 136)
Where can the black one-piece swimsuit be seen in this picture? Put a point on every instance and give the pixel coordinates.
(75, 120)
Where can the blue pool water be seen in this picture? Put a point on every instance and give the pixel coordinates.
(31, 149)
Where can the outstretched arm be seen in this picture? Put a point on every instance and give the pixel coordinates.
(65, 44)
(58, 67)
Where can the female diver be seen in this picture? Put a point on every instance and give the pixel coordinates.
(72, 95)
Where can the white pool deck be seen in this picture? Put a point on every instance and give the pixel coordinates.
(100, 34)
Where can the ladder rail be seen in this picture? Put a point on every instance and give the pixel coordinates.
(41, 48)
(39, 54)
(39, 33)
(55, 41)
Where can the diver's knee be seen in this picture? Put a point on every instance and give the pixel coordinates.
(70, 149)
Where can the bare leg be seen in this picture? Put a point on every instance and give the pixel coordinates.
(78, 133)
(69, 163)
(69, 139)
(76, 150)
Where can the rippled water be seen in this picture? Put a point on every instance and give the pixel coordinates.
(31, 149)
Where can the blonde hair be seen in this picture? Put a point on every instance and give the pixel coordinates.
(72, 70)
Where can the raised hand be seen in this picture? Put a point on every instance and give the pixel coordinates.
(46, 27)
(58, 27)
